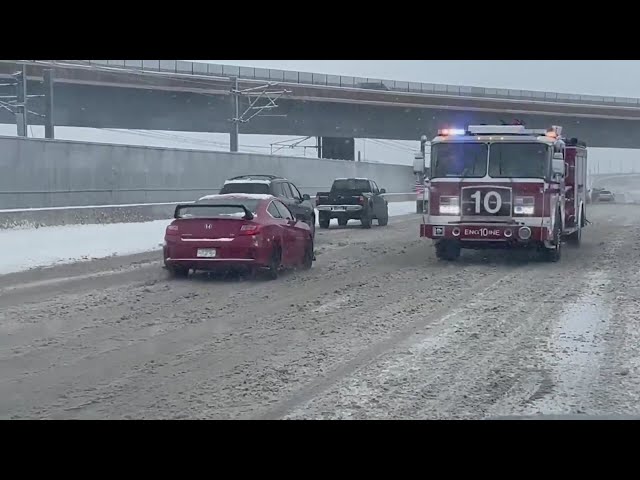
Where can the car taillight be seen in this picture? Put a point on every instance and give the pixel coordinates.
(172, 230)
(361, 200)
(250, 229)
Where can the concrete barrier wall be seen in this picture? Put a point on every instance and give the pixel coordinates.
(52, 216)
(36, 173)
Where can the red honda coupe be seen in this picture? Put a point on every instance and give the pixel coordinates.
(236, 231)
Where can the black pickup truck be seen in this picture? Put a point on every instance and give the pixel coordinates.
(352, 199)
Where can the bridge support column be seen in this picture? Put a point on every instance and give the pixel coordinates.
(21, 100)
(235, 116)
(49, 123)
(336, 148)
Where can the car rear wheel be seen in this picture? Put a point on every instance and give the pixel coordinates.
(313, 226)
(307, 261)
(274, 264)
(177, 272)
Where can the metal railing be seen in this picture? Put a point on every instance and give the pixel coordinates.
(321, 79)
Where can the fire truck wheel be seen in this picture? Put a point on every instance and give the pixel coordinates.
(554, 254)
(447, 250)
(576, 237)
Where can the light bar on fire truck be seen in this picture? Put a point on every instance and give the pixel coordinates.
(554, 132)
(445, 132)
(504, 130)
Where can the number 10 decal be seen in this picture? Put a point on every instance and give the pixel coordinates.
(486, 203)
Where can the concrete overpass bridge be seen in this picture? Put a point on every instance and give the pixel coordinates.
(603, 179)
(186, 96)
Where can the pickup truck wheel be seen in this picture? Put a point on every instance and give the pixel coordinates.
(382, 221)
(324, 221)
(366, 221)
(343, 221)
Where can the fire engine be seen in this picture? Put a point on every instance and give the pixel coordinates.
(505, 186)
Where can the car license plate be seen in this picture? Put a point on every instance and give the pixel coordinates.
(338, 209)
(206, 253)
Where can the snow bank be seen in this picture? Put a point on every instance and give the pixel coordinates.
(22, 249)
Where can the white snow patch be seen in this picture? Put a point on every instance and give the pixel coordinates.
(89, 207)
(23, 249)
(248, 180)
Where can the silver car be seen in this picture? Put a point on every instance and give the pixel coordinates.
(606, 196)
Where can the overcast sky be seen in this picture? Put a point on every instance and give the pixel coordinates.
(597, 77)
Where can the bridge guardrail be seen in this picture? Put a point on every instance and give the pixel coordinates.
(306, 78)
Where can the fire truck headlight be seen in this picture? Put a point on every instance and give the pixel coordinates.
(524, 205)
(449, 206)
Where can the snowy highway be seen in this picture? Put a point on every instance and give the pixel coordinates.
(378, 329)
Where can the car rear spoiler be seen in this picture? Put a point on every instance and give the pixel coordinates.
(247, 214)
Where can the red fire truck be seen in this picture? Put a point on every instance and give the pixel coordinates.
(505, 186)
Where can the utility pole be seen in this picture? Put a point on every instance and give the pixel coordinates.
(257, 96)
(235, 120)
(49, 122)
(21, 104)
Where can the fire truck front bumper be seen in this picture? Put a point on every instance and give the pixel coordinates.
(486, 235)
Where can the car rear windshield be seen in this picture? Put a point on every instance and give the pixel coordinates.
(248, 187)
(219, 208)
(351, 184)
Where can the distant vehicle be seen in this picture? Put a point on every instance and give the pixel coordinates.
(606, 196)
(279, 187)
(372, 86)
(251, 232)
(353, 199)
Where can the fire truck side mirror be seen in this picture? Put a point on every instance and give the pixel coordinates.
(558, 167)
(418, 163)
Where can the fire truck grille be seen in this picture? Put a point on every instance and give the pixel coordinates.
(486, 201)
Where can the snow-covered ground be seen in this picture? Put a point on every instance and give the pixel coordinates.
(23, 249)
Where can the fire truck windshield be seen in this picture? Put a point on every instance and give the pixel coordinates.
(458, 159)
(518, 160)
